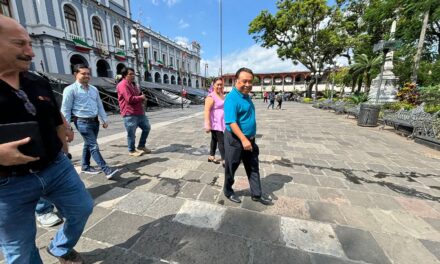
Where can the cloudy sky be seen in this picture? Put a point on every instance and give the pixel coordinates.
(199, 20)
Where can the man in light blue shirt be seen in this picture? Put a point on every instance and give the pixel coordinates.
(82, 106)
(241, 128)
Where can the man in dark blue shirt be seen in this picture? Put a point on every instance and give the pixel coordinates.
(241, 128)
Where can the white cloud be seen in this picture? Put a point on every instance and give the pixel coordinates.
(260, 60)
(169, 3)
(182, 41)
(183, 24)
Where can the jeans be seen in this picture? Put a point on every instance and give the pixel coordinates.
(89, 132)
(44, 207)
(271, 103)
(132, 122)
(60, 184)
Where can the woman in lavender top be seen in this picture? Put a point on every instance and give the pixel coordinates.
(214, 120)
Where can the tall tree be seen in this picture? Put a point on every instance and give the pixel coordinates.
(306, 31)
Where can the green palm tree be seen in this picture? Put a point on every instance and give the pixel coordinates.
(362, 69)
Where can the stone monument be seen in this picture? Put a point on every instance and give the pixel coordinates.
(388, 87)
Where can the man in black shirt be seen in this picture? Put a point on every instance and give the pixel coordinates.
(24, 179)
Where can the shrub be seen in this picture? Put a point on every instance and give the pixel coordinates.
(409, 93)
(307, 100)
(398, 105)
(431, 97)
(359, 98)
(432, 108)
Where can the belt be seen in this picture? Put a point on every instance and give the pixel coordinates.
(251, 138)
(18, 172)
(86, 119)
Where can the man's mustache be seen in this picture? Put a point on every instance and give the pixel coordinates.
(24, 58)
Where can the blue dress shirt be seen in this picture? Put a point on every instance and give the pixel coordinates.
(82, 102)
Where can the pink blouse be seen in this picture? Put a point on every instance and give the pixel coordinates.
(217, 114)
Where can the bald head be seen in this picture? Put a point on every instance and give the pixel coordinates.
(7, 23)
(16, 52)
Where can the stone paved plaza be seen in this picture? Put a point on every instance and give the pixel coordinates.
(342, 194)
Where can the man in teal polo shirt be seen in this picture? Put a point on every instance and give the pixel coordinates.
(241, 128)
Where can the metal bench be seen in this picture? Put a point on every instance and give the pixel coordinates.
(352, 111)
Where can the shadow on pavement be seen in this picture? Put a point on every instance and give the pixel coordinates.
(353, 178)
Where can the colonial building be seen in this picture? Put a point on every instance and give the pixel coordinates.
(68, 32)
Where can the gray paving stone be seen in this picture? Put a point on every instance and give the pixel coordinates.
(358, 198)
(301, 191)
(193, 176)
(137, 202)
(97, 215)
(333, 196)
(169, 187)
(263, 253)
(433, 247)
(396, 248)
(209, 194)
(416, 226)
(325, 212)
(360, 217)
(332, 182)
(433, 222)
(385, 202)
(326, 259)
(120, 229)
(310, 236)
(306, 179)
(95, 252)
(177, 242)
(200, 214)
(191, 190)
(251, 225)
(112, 197)
(163, 206)
(360, 245)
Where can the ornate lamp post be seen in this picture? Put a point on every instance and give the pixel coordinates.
(135, 33)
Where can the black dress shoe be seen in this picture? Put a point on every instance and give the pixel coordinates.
(234, 198)
(262, 200)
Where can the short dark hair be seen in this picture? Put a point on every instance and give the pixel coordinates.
(77, 67)
(125, 70)
(243, 69)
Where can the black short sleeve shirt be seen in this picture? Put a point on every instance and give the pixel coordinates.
(12, 110)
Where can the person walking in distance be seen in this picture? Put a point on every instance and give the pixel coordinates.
(132, 102)
(82, 105)
(240, 145)
(214, 120)
(24, 98)
(271, 100)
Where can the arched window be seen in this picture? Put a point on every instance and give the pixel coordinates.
(97, 30)
(5, 8)
(117, 35)
(71, 21)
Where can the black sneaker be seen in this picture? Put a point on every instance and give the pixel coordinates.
(91, 170)
(111, 173)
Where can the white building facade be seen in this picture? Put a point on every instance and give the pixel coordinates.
(68, 32)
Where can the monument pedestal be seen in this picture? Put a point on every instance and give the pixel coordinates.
(388, 89)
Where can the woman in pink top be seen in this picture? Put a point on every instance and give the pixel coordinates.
(214, 120)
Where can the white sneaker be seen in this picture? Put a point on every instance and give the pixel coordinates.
(49, 219)
(109, 175)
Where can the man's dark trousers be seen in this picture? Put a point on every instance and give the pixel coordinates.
(234, 153)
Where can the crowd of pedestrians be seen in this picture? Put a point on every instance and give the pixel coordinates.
(36, 174)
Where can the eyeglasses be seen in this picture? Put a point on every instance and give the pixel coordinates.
(30, 108)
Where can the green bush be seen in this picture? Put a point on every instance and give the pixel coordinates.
(307, 100)
(359, 98)
(432, 108)
(398, 105)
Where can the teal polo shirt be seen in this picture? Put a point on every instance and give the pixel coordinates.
(240, 109)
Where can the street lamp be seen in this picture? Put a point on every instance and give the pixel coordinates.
(134, 32)
(335, 68)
